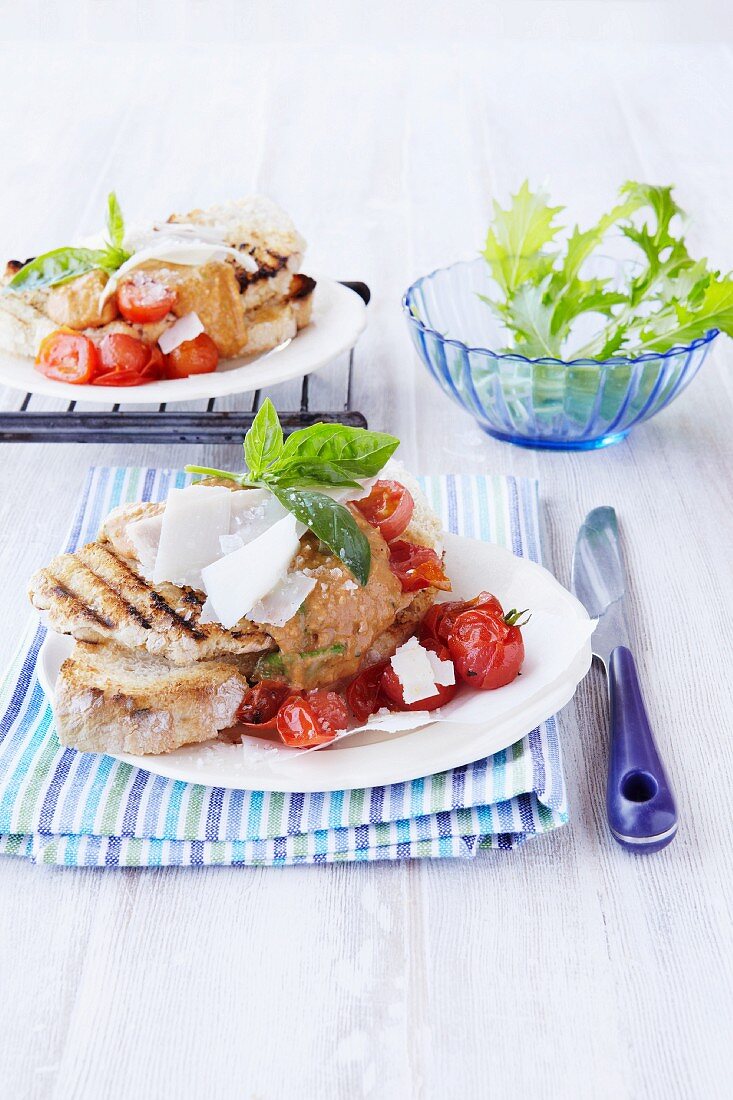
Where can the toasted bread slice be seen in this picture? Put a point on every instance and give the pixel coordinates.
(95, 595)
(260, 227)
(112, 699)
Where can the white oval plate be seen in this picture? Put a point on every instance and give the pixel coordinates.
(474, 725)
(339, 318)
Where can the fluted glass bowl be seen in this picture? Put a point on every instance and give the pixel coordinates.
(575, 405)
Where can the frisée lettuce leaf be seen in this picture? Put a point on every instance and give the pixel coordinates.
(665, 298)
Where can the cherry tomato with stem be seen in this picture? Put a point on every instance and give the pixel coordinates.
(487, 649)
(388, 507)
(440, 618)
(67, 356)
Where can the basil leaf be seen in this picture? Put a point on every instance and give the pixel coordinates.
(115, 221)
(112, 258)
(310, 476)
(226, 475)
(334, 450)
(54, 268)
(264, 440)
(333, 524)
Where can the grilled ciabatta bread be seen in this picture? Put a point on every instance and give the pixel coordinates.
(96, 596)
(113, 699)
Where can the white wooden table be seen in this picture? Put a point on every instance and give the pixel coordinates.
(567, 968)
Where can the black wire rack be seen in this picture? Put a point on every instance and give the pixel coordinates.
(163, 425)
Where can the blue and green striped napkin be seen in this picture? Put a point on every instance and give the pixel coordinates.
(58, 806)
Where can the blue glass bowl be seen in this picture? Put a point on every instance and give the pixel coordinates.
(575, 405)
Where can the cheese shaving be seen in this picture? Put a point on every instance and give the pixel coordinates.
(282, 602)
(185, 328)
(182, 250)
(414, 670)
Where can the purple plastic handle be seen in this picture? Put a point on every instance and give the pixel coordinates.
(641, 807)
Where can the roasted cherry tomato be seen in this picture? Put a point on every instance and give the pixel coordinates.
(127, 361)
(261, 703)
(67, 356)
(439, 620)
(364, 694)
(392, 687)
(141, 299)
(417, 567)
(199, 356)
(313, 719)
(118, 351)
(388, 507)
(486, 648)
(155, 368)
(121, 378)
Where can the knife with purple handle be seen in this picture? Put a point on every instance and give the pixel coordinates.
(642, 813)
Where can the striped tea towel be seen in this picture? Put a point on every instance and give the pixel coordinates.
(58, 806)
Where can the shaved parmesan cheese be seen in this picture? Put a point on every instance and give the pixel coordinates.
(182, 250)
(283, 601)
(193, 521)
(444, 672)
(253, 512)
(365, 487)
(144, 534)
(414, 670)
(211, 234)
(185, 328)
(237, 581)
(349, 492)
(230, 543)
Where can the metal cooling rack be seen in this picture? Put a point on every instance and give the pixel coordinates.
(163, 425)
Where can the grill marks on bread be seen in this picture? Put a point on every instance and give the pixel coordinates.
(94, 595)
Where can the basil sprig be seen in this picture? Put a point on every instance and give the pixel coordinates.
(64, 264)
(325, 456)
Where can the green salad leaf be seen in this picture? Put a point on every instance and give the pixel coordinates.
(320, 456)
(64, 264)
(667, 298)
(516, 242)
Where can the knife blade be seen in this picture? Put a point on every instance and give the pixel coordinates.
(641, 809)
(599, 580)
